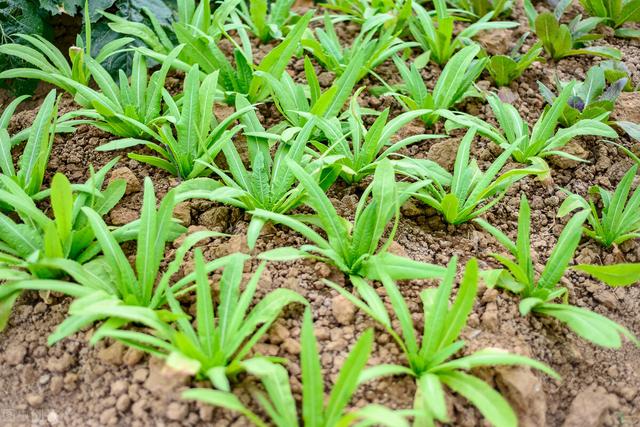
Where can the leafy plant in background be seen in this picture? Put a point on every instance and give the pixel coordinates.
(127, 108)
(454, 84)
(267, 20)
(197, 138)
(435, 36)
(217, 347)
(246, 78)
(392, 13)
(431, 362)
(297, 102)
(591, 98)
(469, 192)
(562, 40)
(376, 45)
(278, 402)
(48, 64)
(361, 149)
(194, 26)
(353, 247)
(504, 69)
(615, 13)
(531, 145)
(619, 219)
(36, 18)
(538, 291)
(479, 8)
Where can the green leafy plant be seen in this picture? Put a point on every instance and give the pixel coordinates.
(623, 274)
(279, 404)
(361, 149)
(374, 44)
(127, 108)
(480, 8)
(33, 162)
(504, 69)
(469, 192)
(351, 247)
(109, 280)
(394, 14)
(50, 65)
(591, 98)
(538, 291)
(267, 20)
(535, 144)
(195, 24)
(189, 133)
(432, 361)
(218, 346)
(246, 78)
(615, 13)
(454, 84)
(297, 102)
(269, 184)
(562, 40)
(435, 36)
(67, 235)
(619, 219)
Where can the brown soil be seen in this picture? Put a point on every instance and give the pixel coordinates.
(74, 384)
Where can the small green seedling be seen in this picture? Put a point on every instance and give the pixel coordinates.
(432, 361)
(562, 40)
(504, 69)
(538, 291)
(469, 192)
(619, 219)
(278, 402)
(353, 247)
(531, 145)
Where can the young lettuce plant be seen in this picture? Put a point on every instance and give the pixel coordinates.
(110, 280)
(194, 26)
(393, 13)
(531, 146)
(619, 219)
(504, 69)
(432, 361)
(360, 149)
(218, 346)
(189, 134)
(269, 184)
(436, 35)
(454, 84)
(33, 162)
(246, 78)
(590, 99)
(297, 102)
(538, 291)
(615, 13)
(266, 20)
(351, 247)
(279, 404)
(375, 44)
(49, 65)
(67, 235)
(562, 40)
(469, 192)
(480, 8)
(128, 108)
